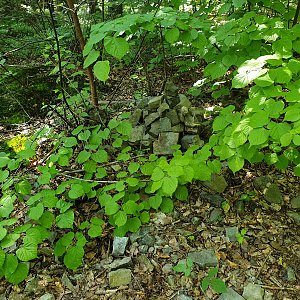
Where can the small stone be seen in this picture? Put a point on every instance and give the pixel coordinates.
(144, 260)
(143, 249)
(295, 202)
(119, 246)
(170, 89)
(147, 140)
(171, 281)
(119, 263)
(165, 124)
(151, 118)
(177, 128)
(204, 258)
(147, 240)
(135, 117)
(136, 236)
(163, 107)
(215, 200)
(253, 292)
(216, 215)
(164, 143)
(172, 115)
(47, 296)
(190, 121)
(67, 282)
(231, 295)
(119, 277)
(137, 133)
(291, 276)
(260, 183)
(142, 103)
(183, 101)
(167, 269)
(16, 296)
(231, 233)
(155, 129)
(272, 194)
(32, 286)
(217, 183)
(191, 140)
(155, 102)
(183, 297)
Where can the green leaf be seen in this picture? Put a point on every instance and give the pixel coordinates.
(2, 258)
(70, 142)
(4, 160)
(120, 218)
(91, 58)
(95, 230)
(131, 181)
(182, 193)
(293, 115)
(84, 135)
(100, 156)
(259, 119)
(172, 35)
(155, 201)
(65, 220)
(20, 274)
(167, 205)
(27, 252)
(297, 170)
(47, 219)
(116, 46)
(158, 174)
(238, 3)
(101, 173)
(76, 191)
(83, 156)
(23, 187)
(130, 207)
(111, 208)
(73, 257)
(3, 232)
(218, 285)
(124, 128)
(9, 240)
(101, 70)
(169, 185)
(235, 163)
(10, 264)
(264, 80)
(3, 175)
(205, 283)
(145, 217)
(133, 224)
(285, 139)
(258, 136)
(36, 212)
(133, 167)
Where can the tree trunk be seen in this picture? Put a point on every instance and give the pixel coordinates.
(81, 40)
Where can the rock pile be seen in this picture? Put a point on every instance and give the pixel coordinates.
(166, 120)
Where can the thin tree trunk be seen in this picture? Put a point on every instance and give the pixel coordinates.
(81, 40)
(297, 14)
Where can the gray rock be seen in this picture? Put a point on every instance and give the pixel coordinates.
(170, 90)
(137, 133)
(163, 107)
(164, 143)
(190, 121)
(231, 233)
(143, 249)
(231, 295)
(142, 103)
(143, 237)
(260, 183)
(273, 194)
(216, 215)
(191, 130)
(155, 102)
(32, 286)
(165, 124)
(47, 296)
(295, 216)
(204, 258)
(291, 276)
(135, 117)
(217, 183)
(183, 297)
(67, 282)
(155, 129)
(145, 261)
(119, 263)
(173, 116)
(119, 277)
(119, 246)
(295, 202)
(147, 140)
(191, 140)
(171, 281)
(253, 292)
(167, 269)
(183, 101)
(147, 240)
(215, 200)
(177, 128)
(151, 118)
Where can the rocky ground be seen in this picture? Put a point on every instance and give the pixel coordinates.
(262, 264)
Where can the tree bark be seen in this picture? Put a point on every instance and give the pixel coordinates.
(296, 14)
(81, 40)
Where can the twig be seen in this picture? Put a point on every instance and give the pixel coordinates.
(296, 288)
(89, 180)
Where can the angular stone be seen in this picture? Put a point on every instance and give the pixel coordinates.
(217, 183)
(170, 89)
(135, 117)
(260, 183)
(216, 215)
(191, 130)
(273, 194)
(173, 116)
(291, 276)
(295, 202)
(183, 297)
(32, 286)
(231, 295)
(182, 113)
(119, 263)
(215, 200)
(172, 101)
(155, 102)
(155, 129)
(151, 118)
(165, 124)
(119, 246)
(253, 292)
(163, 107)
(191, 140)
(231, 233)
(183, 101)
(119, 277)
(65, 280)
(47, 296)
(142, 103)
(147, 140)
(177, 128)
(144, 260)
(204, 258)
(164, 143)
(137, 133)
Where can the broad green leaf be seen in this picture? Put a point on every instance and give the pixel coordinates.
(20, 274)
(9, 240)
(120, 218)
(116, 46)
(133, 224)
(158, 174)
(258, 136)
(124, 128)
(10, 264)
(3, 175)
(167, 205)
(3, 232)
(23, 187)
(4, 161)
(65, 220)
(70, 142)
(281, 75)
(100, 156)
(36, 212)
(73, 257)
(243, 79)
(296, 139)
(145, 217)
(155, 201)
(101, 70)
(83, 156)
(95, 230)
(172, 35)
(293, 115)
(264, 80)
(111, 208)
(27, 252)
(84, 135)
(169, 185)
(283, 47)
(130, 207)
(133, 167)
(131, 181)
(220, 123)
(297, 170)
(218, 285)
(296, 46)
(47, 219)
(91, 58)
(259, 119)
(76, 191)
(101, 173)
(182, 193)
(238, 3)
(235, 163)
(2, 258)
(286, 139)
